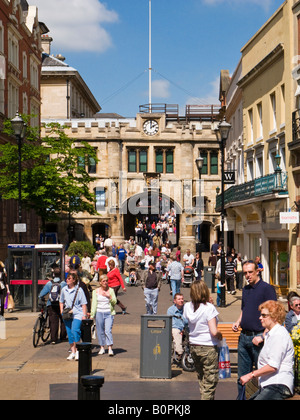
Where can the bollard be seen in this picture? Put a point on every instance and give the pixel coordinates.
(92, 385)
(86, 330)
(84, 365)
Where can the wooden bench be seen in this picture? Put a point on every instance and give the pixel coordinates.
(232, 338)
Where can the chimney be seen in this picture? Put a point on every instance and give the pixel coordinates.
(46, 44)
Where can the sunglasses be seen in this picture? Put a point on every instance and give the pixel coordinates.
(264, 315)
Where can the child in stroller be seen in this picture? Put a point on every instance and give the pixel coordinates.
(132, 276)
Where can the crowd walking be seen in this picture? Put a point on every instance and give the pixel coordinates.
(92, 283)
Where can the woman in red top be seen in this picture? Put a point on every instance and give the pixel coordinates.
(115, 281)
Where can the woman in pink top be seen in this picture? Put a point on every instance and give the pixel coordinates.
(115, 281)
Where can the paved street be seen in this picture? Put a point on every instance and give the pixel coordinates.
(27, 373)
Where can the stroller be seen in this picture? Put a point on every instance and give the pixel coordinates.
(189, 276)
(132, 276)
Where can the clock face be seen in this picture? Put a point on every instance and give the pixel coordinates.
(150, 127)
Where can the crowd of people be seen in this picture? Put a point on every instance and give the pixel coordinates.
(265, 349)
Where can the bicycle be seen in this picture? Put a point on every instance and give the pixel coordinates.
(41, 329)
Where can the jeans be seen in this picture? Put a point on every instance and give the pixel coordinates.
(104, 324)
(272, 392)
(73, 330)
(247, 355)
(175, 286)
(122, 266)
(151, 299)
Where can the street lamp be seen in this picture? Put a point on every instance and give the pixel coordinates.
(222, 133)
(19, 128)
(278, 172)
(199, 163)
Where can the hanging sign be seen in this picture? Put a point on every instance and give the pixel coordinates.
(229, 177)
(289, 217)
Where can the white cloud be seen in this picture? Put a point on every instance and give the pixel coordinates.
(77, 25)
(161, 89)
(211, 98)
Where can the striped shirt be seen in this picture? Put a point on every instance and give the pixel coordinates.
(229, 268)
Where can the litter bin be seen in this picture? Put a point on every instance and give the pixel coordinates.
(209, 278)
(156, 346)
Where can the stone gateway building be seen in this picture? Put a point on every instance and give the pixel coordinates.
(147, 167)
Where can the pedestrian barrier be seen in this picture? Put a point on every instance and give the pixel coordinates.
(88, 385)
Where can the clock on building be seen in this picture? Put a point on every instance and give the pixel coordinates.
(150, 127)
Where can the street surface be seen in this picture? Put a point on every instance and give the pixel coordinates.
(43, 373)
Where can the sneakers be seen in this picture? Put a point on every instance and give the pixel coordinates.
(110, 352)
(124, 311)
(71, 356)
(102, 351)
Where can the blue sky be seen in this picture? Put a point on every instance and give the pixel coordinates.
(192, 40)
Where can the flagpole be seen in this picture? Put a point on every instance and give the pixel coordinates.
(150, 57)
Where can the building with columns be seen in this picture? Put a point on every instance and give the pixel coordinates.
(265, 86)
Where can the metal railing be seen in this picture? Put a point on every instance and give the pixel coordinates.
(258, 187)
(201, 113)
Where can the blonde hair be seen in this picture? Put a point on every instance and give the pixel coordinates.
(276, 310)
(103, 277)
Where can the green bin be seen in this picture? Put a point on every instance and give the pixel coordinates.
(209, 277)
(156, 346)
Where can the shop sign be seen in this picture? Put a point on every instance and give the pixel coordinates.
(289, 217)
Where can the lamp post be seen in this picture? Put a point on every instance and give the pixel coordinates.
(222, 133)
(19, 127)
(278, 172)
(199, 164)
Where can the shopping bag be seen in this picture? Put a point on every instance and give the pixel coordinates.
(224, 361)
(6, 302)
(10, 303)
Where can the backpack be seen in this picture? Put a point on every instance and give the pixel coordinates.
(54, 293)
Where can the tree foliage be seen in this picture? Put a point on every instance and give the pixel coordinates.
(52, 181)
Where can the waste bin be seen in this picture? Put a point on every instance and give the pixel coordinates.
(209, 278)
(156, 346)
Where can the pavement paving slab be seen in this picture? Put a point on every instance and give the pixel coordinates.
(43, 373)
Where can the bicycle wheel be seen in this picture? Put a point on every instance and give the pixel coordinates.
(36, 332)
(187, 363)
(45, 332)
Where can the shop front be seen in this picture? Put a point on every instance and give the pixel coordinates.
(279, 266)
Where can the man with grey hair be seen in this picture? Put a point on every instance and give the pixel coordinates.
(293, 317)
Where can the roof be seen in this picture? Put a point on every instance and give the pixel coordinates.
(49, 61)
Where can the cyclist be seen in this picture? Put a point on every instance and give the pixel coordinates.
(53, 288)
(178, 323)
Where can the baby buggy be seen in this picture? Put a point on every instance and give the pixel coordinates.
(132, 276)
(188, 276)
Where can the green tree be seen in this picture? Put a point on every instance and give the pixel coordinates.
(52, 180)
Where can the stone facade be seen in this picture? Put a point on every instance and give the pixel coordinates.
(134, 164)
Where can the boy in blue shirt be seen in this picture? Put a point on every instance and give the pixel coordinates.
(122, 257)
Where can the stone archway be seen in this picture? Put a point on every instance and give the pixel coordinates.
(147, 207)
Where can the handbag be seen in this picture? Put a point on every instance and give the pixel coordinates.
(67, 313)
(10, 303)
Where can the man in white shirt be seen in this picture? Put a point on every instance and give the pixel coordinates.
(188, 258)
